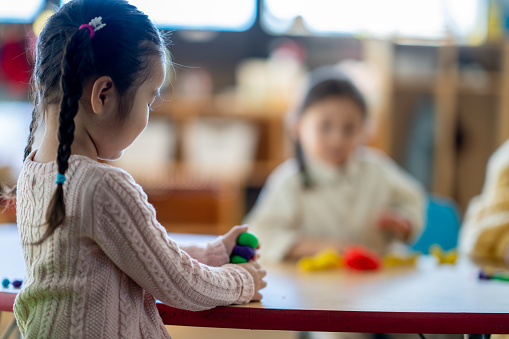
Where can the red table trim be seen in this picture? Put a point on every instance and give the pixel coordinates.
(379, 322)
(7, 301)
(223, 317)
(323, 320)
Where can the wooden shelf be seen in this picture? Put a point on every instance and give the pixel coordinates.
(471, 108)
(186, 203)
(178, 176)
(185, 110)
(403, 87)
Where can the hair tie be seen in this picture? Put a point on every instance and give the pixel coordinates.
(60, 179)
(94, 25)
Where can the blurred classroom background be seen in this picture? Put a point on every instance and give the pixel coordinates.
(435, 73)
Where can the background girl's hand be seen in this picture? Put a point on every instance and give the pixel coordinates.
(394, 224)
(230, 238)
(257, 272)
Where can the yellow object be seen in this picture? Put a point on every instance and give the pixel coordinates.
(495, 22)
(41, 20)
(324, 260)
(392, 260)
(443, 257)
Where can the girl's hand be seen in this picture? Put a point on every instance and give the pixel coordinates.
(257, 272)
(394, 224)
(230, 238)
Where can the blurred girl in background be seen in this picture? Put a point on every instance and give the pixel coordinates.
(335, 192)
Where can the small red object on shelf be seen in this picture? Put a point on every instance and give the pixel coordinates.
(362, 259)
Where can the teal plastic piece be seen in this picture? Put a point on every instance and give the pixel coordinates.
(442, 225)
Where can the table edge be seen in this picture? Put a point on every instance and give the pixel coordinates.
(255, 318)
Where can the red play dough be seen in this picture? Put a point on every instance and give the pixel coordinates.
(360, 258)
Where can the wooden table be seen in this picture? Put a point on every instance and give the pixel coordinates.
(426, 299)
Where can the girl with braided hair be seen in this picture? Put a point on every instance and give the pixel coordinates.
(335, 192)
(96, 257)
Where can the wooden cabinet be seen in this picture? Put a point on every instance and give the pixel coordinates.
(468, 88)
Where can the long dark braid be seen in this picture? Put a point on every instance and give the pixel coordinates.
(31, 137)
(77, 50)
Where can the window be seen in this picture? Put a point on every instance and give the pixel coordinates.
(425, 19)
(20, 11)
(220, 15)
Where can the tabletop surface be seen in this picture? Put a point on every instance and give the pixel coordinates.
(428, 298)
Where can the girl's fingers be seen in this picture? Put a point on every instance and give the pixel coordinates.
(256, 264)
(241, 228)
(237, 230)
(255, 258)
(257, 297)
(264, 284)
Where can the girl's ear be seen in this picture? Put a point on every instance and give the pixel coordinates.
(103, 98)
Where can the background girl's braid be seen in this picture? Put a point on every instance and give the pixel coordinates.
(306, 181)
(76, 53)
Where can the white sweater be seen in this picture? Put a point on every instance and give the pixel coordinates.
(99, 274)
(343, 204)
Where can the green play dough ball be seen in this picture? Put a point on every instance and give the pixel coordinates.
(247, 239)
(237, 259)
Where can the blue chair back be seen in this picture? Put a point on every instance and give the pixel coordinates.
(442, 225)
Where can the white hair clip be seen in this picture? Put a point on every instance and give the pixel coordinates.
(94, 25)
(97, 23)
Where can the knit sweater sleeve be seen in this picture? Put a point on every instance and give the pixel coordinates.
(126, 229)
(213, 253)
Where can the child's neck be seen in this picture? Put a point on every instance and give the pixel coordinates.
(328, 165)
(82, 144)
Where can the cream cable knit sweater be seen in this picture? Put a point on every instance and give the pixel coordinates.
(344, 203)
(98, 276)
